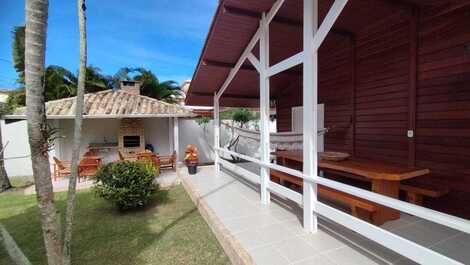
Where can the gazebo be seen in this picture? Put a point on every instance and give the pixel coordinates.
(393, 76)
(115, 120)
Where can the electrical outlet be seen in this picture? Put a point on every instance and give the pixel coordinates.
(410, 134)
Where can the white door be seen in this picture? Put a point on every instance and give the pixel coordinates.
(297, 122)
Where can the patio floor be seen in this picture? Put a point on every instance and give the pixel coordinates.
(273, 234)
(167, 178)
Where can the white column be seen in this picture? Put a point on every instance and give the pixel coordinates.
(176, 138)
(310, 104)
(170, 134)
(216, 133)
(264, 108)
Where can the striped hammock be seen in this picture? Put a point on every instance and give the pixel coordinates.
(279, 140)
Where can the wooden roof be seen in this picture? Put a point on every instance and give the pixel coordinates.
(236, 21)
(110, 104)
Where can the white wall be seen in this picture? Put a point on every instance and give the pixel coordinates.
(93, 131)
(191, 133)
(157, 133)
(106, 131)
(16, 135)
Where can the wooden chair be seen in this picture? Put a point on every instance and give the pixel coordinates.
(61, 168)
(88, 166)
(121, 156)
(149, 156)
(168, 161)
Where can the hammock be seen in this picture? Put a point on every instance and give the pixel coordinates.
(280, 140)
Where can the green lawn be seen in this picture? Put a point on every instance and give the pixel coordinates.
(169, 232)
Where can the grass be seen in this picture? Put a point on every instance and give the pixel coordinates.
(169, 232)
(19, 182)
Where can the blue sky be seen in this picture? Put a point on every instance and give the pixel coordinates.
(165, 36)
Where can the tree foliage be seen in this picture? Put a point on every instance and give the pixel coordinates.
(18, 47)
(150, 84)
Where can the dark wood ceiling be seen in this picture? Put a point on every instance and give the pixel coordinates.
(236, 21)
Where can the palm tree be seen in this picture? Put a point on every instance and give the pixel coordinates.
(35, 46)
(59, 83)
(151, 85)
(95, 81)
(18, 52)
(77, 134)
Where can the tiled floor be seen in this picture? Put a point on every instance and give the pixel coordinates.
(273, 234)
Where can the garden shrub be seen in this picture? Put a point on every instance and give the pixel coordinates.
(126, 184)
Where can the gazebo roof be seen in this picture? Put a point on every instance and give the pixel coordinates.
(110, 104)
(236, 21)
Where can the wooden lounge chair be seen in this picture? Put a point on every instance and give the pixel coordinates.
(88, 167)
(61, 168)
(168, 161)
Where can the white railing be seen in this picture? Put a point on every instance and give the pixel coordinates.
(392, 241)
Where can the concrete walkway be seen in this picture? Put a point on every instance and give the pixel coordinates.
(273, 234)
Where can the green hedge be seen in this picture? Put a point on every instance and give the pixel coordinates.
(126, 184)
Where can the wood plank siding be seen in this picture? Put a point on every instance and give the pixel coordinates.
(410, 71)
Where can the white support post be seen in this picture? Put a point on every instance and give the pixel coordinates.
(216, 133)
(170, 134)
(264, 108)
(310, 108)
(176, 138)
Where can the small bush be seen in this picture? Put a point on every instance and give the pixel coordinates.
(128, 185)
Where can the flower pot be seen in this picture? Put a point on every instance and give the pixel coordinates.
(192, 169)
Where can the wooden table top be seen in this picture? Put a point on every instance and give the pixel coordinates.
(361, 167)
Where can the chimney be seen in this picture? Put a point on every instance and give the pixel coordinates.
(132, 87)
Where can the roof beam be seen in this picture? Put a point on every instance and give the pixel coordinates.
(279, 19)
(404, 4)
(243, 67)
(225, 95)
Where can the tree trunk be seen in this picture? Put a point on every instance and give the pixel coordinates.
(4, 181)
(38, 131)
(77, 135)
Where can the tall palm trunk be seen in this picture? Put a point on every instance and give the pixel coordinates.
(77, 135)
(4, 181)
(36, 28)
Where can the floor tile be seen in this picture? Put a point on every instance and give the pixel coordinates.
(268, 256)
(352, 256)
(274, 233)
(295, 249)
(322, 241)
(316, 260)
(457, 247)
(250, 239)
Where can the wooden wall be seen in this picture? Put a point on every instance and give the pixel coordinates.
(369, 93)
(443, 98)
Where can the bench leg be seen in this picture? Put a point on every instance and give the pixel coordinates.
(414, 198)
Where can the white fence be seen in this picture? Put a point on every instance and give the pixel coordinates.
(392, 241)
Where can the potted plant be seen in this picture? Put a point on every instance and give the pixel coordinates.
(191, 159)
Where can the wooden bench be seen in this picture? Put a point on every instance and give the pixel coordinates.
(357, 205)
(415, 192)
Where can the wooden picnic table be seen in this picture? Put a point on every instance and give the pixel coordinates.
(385, 178)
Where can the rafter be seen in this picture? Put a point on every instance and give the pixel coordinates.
(278, 19)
